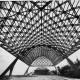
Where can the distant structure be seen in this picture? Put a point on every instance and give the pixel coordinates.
(42, 71)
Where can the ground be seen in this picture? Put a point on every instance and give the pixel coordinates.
(41, 78)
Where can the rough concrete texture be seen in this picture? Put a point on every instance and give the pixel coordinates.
(41, 78)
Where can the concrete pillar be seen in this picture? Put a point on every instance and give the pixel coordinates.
(11, 71)
(10, 67)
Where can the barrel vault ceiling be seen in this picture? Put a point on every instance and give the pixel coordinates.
(30, 29)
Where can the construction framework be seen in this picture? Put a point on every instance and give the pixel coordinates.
(29, 29)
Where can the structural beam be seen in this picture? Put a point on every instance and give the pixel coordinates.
(27, 70)
(35, 4)
(41, 8)
(11, 71)
(10, 67)
(47, 3)
(71, 63)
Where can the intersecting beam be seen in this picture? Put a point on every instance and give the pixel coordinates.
(41, 8)
(59, 5)
(47, 3)
(10, 67)
(35, 4)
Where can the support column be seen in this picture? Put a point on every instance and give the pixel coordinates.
(26, 70)
(10, 67)
(11, 71)
(71, 63)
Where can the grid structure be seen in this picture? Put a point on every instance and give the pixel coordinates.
(39, 52)
(41, 62)
(27, 26)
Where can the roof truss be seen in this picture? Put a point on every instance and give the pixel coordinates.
(27, 24)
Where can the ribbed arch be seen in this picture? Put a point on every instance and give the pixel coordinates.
(42, 61)
(42, 51)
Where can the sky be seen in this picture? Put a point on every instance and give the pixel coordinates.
(20, 67)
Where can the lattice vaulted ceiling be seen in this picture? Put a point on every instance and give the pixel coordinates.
(33, 27)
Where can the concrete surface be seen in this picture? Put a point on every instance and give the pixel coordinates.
(40, 78)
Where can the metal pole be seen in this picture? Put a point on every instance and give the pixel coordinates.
(26, 70)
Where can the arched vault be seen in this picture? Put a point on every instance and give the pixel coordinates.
(42, 61)
(42, 51)
(30, 29)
